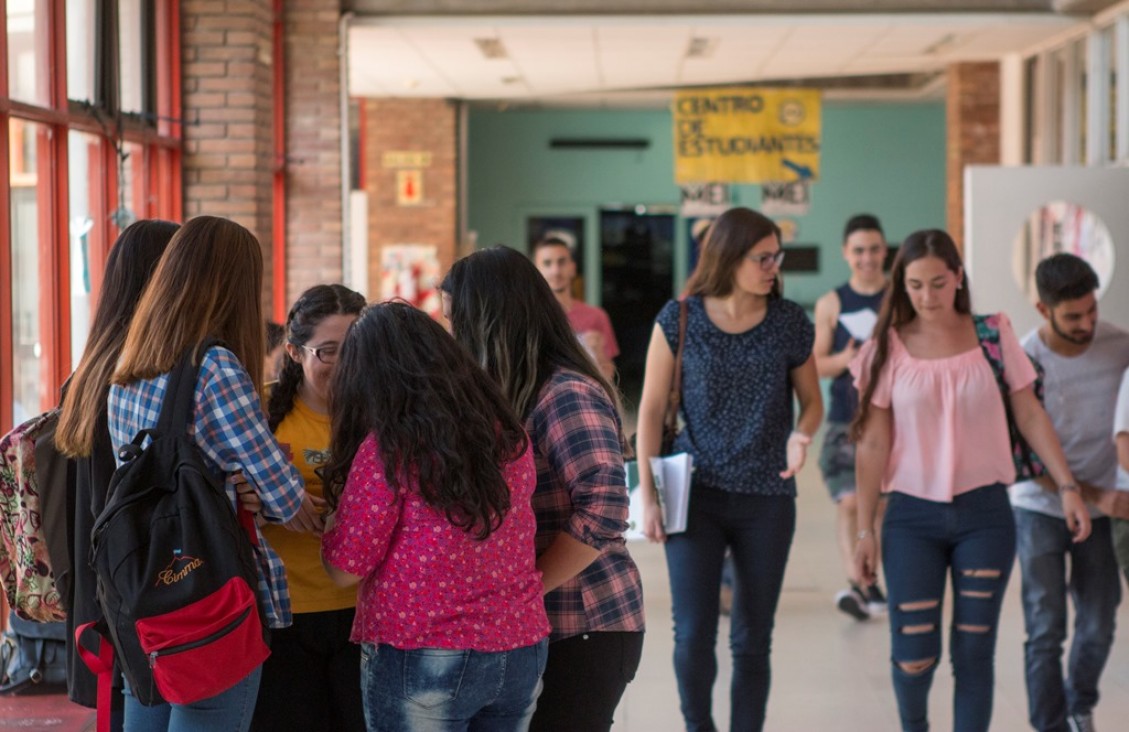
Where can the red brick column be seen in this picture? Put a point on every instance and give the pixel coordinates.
(972, 118)
(416, 126)
(313, 143)
(227, 62)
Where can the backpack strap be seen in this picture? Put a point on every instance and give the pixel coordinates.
(102, 666)
(180, 395)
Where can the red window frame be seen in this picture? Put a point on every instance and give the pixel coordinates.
(156, 169)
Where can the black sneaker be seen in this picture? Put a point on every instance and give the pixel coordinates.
(852, 602)
(875, 600)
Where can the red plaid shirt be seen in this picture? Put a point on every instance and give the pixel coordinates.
(581, 490)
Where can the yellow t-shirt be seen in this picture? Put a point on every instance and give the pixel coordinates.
(306, 434)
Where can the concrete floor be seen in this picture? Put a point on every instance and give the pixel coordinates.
(830, 672)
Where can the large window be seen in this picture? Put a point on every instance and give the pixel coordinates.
(85, 148)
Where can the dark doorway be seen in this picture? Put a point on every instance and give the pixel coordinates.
(637, 260)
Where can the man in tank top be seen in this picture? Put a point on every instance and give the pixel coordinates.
(844, 319)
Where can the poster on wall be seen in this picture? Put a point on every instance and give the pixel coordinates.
(410, 272)
(746, 135)
(786, 199)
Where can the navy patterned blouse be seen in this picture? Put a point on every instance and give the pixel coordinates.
(737, 397)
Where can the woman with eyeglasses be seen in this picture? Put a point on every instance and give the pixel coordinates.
(312, 679)
(747, 353)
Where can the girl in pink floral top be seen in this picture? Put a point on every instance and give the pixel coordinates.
(430, 478)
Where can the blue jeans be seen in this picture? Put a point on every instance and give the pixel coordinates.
(758, 531)
(441, 690)
(230, 711)
(973, 539)
(1094, 584)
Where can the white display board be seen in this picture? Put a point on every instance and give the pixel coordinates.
(999, 201)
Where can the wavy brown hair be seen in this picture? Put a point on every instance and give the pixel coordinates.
(438, 419)
(505, 315)
(129, 267)
(728, 240)
(207, 284)
(313, 306)
(897, 308)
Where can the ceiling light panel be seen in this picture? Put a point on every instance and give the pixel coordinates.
(454, 52)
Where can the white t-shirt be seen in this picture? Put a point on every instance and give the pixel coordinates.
(1079, 400)
(1121, 425)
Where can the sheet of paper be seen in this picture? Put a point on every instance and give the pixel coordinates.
(860, 324)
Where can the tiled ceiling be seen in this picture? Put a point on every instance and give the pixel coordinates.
(563, 58)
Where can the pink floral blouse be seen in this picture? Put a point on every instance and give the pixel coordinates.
(427, 583)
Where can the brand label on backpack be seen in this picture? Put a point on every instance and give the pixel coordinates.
(179, 568)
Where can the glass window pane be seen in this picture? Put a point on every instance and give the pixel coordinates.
(83, 176)
(129, 203)
(132, 57)
(28, 80)
(28, 205)
(80, 49)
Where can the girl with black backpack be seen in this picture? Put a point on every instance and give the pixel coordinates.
(208, 285)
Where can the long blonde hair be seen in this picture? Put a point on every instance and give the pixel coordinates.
(132, 260)
(208, 284)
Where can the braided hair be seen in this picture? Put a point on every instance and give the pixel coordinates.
(313, 306)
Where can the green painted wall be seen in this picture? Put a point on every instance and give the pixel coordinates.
(887, 159)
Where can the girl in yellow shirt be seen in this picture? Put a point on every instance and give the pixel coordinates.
(312, 679)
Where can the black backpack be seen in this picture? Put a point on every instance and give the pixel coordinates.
(175, 564)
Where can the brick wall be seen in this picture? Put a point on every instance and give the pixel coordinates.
(226, 46)
(313, 143)
(972, 128)
(413, 125)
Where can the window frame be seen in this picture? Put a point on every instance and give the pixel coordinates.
(158, 133)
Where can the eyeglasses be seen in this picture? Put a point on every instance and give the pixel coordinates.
(767, 261)
(326, 354)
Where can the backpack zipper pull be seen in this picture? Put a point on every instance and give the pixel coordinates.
(152, 660)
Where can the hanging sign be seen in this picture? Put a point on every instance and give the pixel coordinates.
(705, 199)
(786, 199)
(746, 135)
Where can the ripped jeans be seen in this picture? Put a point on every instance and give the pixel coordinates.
(973, 539)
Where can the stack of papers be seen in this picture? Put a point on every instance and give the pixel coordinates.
(672, 480)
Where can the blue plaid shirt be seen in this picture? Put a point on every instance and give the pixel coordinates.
(232, 432)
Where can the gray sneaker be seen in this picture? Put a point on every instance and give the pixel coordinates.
(1081, 723)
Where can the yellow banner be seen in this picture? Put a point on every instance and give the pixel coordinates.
(746, 135)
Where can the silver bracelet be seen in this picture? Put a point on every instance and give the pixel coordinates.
(863, 534)
(1067, 488)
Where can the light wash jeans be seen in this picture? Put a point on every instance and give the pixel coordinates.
(230, 711)
(441, 690)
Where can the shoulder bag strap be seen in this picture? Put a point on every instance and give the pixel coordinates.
(674, 403)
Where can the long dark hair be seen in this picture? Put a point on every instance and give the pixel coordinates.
(505, 315)
(729, 239)
(131, 263)
(437, 417)
(313, 306)
(897, 308)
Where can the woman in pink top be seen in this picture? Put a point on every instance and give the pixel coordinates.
(430, 479)
(932, 433)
